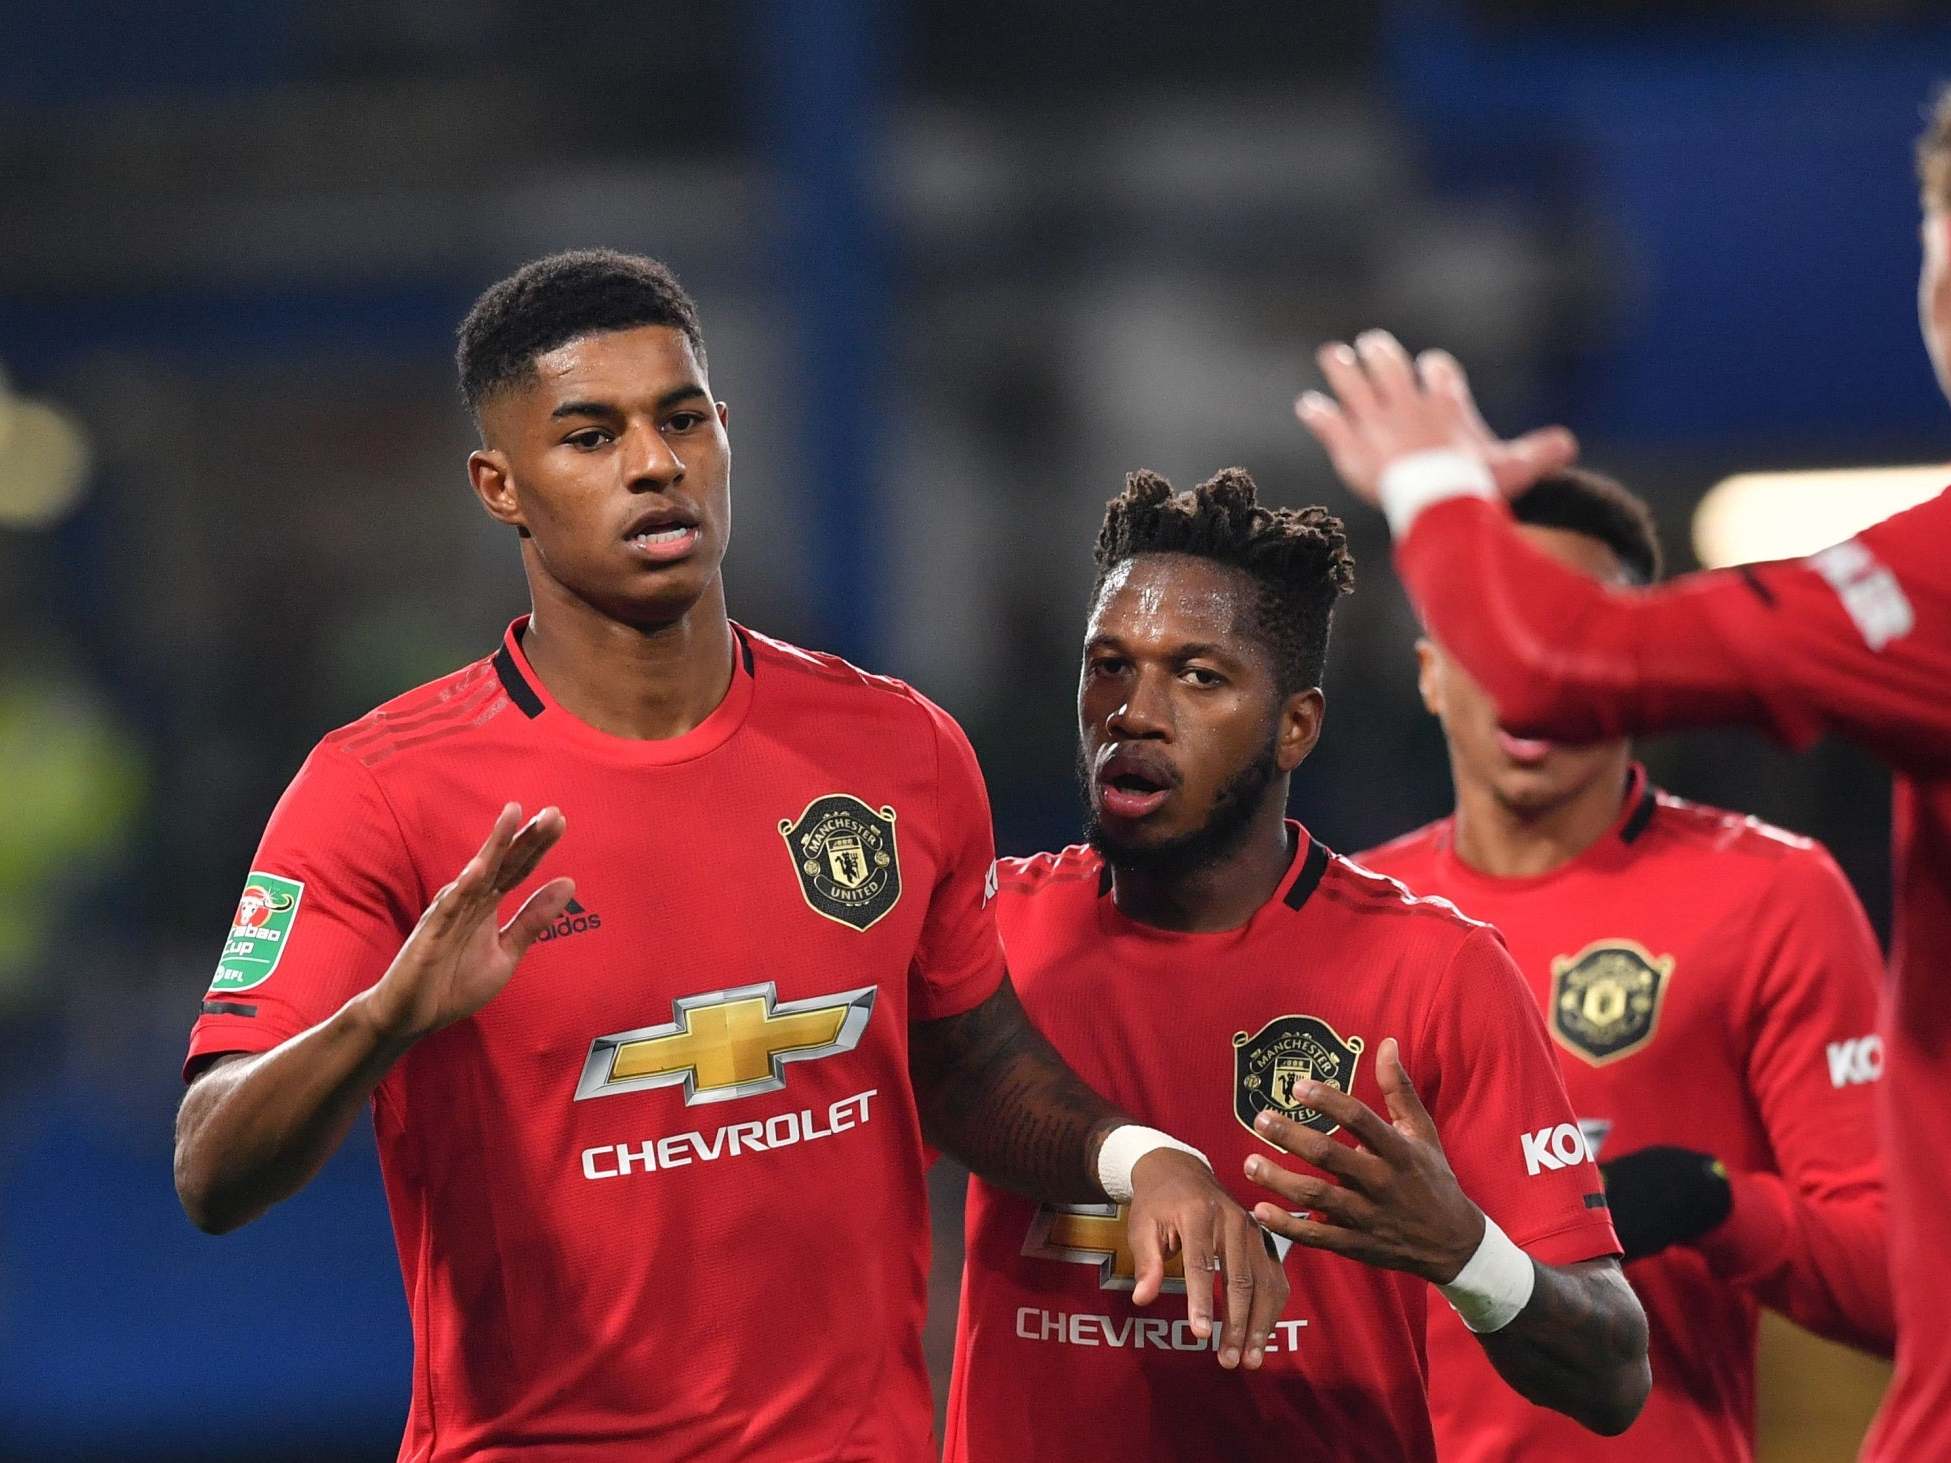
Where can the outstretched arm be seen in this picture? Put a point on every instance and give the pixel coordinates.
(1571, 1337)
(994, 1093)
(1853, 639)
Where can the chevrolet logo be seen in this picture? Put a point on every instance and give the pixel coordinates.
(1093, 1234)
(726, 1044)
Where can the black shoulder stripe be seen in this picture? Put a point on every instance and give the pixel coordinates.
(519, 691)
(1312, 868)
(228, 1008)
(1641, 816)
(1103, 881)
(1753, 581)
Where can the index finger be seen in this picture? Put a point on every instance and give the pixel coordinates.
(461, 899)
(1353, 1114)
(525, 850)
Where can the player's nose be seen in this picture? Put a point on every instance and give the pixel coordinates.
(1145, 711)
(649, 462)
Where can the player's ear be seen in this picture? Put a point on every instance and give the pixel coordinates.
(1429, 674)
(724, 414)
(1301, 716)
(494, 485)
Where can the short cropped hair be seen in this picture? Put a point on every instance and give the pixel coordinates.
(1297, 558)
(554, 300)
(1601, 508)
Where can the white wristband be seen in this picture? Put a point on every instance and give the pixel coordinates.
(1121, 1150)
(1410, 484)
(1494, 1284)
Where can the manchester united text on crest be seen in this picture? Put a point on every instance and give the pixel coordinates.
(1271, 1064)
(845, 859)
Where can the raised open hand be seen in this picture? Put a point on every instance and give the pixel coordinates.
(458, 955)
(1385, 407)
(1397, 1205)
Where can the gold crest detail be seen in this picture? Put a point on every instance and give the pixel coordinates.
(845, 859)
(1605, 1000)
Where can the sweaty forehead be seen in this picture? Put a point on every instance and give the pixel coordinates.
(1165, 599)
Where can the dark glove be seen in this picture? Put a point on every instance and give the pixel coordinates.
(1665, 1196)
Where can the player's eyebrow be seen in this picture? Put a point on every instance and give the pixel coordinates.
(1200, 648)
(669, 399)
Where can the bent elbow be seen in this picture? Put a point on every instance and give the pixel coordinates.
(1617, 1404)
(1618, 1411)
(195, 1193)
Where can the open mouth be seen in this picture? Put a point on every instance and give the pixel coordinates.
(1133, 786)
(663, 534)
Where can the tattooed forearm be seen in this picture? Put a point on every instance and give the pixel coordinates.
(1578, 1347)
(997, 1096)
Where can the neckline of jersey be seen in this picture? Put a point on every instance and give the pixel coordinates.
(1114, 921)
(1635, 811)
(703, 739)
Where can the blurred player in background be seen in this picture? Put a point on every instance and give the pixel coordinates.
(1854, 640)
(653, 1143)
(1711, 984)
(1209, 963)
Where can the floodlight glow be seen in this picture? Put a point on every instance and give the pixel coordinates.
(44, 461)
(1755, 516)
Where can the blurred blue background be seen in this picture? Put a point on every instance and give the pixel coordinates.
(960, 269)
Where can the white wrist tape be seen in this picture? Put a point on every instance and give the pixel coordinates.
(1410, 484)
(1121, 1150)
(1494, 1284)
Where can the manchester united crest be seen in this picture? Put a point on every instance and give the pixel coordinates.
(1605, 1000)
(843, 852)
(1286, 1052)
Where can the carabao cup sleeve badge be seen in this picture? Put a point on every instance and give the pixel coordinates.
(259, 931)
(844, 858)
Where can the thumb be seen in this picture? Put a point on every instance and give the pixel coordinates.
(1519, 463)
(540, 910)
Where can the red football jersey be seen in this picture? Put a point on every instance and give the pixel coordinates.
(662, 1196)
(1855, 640)
(1711, 983)
(1195, 1033)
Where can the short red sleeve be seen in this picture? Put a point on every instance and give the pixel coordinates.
(1502, 1114)
(959, 957)
(331, 896)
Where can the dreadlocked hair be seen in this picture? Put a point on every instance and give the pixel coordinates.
(1297, 558)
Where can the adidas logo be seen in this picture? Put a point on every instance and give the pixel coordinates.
(574, 920)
